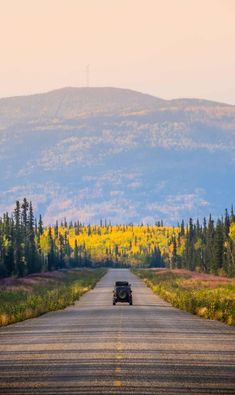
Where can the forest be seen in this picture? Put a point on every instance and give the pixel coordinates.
(27, 246)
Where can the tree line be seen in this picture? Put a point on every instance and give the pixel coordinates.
(26, 246)
(208, 247)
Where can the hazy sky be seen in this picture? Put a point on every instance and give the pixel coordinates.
(169, 48)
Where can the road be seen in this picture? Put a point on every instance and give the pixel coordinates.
(96, 348)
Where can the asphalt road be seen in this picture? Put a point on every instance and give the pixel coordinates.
(96, 348)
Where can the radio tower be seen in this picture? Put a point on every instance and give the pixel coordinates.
(88, 76)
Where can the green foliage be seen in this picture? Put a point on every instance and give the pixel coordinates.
(210, 248)
(27, 247)
(194, 296)
(18, 305)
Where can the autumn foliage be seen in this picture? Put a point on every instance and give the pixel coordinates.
(26, 246)
(121, 245)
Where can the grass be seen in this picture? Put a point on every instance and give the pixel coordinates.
(38, 294)
(202, 295)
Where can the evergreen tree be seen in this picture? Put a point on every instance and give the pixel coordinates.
(232, 215)
(174, 258)
(226, 223)
(76, 254)
(33, 262)
(26, 246)
(218, 246)
(51, 259)
(18, 238)
(182, 230)
(40, 225)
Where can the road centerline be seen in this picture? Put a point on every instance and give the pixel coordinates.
(94, 347)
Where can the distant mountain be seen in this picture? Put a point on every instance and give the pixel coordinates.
(91, 153)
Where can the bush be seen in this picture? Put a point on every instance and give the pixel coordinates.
(17, 305)
(213, 303)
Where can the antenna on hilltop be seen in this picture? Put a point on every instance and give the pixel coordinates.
(87, 76)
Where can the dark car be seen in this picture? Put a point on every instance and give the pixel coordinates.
(122, 292)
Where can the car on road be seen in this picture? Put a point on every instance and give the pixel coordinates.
(122, 292)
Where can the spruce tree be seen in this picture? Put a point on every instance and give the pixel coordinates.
(40, 225)
(219, 246)
(18, 238)
(33, 262)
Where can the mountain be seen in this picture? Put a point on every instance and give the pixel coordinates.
(91, 153)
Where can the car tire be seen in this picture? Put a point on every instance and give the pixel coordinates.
(122, 294)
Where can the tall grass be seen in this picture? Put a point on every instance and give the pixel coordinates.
(214, 303)
(18, 305)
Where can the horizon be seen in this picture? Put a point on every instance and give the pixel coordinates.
(155, 47)
(118, 88)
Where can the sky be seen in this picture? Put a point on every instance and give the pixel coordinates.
(167, 48)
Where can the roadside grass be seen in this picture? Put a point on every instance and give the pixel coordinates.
(34, 296)
(208, 298)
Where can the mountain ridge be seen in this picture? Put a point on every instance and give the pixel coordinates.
(92, 153)
(128, 90)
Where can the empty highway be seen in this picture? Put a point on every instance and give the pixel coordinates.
(94, 347)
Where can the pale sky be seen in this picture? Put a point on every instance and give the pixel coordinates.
(168, 48)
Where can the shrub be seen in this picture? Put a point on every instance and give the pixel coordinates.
(17, 305)
(213, 303)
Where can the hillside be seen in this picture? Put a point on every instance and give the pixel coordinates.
(91, 153)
